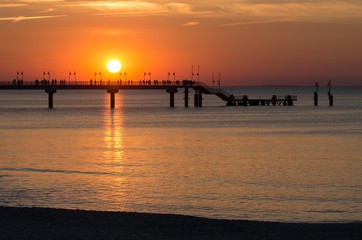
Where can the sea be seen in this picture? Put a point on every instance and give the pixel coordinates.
(300, 163)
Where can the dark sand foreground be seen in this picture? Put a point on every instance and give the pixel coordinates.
(43, 223)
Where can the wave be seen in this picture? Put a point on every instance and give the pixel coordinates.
(57, 171)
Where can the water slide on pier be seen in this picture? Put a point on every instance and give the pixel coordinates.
(221, 93)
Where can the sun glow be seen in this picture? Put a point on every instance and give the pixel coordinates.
(114, 66)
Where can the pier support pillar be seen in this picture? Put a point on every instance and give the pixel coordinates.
(172, 92)
(172, 99)
(50, 92)
(196, 100)
(200, 99)
(186, 96)
(112, 91)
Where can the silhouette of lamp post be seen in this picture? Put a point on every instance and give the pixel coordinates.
(192, 72)
(213, 81)
(219, 82)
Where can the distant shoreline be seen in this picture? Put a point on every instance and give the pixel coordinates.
(47, 223)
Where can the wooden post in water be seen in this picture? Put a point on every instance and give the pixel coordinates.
(112, 91)
(316, 94)
(50, 92)
(330, 96)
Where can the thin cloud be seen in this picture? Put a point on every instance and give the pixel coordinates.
(12, 5)
(23, 18)
(40, 1)
(117, 5)
(189, 24)
(296, 11)
(134, 7)
(47, 10)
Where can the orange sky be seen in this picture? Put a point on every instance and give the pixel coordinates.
(251, 42)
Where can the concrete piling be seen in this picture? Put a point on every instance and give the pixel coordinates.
(50, 92)
(112, 91)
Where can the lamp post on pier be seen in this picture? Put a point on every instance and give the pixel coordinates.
(213, 80)
(219, 82)
(192, 73)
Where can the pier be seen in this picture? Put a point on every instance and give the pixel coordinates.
(171, 87)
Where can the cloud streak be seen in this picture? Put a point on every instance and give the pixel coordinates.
(133, 7)
(12, 5)
(22, 18)
(190, 24)
(315, 11)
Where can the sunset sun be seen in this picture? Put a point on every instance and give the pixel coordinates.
(114, 66)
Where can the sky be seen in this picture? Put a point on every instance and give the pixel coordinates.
(249, 42)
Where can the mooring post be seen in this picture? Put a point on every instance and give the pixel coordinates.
(112, 91)
(172, 92)
(50, 92)
(330, 100)
(330, 96)
(186, 96)
(315, 99)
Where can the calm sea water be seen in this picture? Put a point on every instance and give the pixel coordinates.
(297, 164)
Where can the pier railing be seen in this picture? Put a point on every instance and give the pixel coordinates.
(105, 83)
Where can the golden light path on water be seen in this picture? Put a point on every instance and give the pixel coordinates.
(113, 136)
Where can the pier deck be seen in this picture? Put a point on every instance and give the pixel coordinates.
(171, 87)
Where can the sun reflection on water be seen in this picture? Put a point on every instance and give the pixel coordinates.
(113, 136)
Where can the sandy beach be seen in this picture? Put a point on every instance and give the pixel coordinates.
(45, 223)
